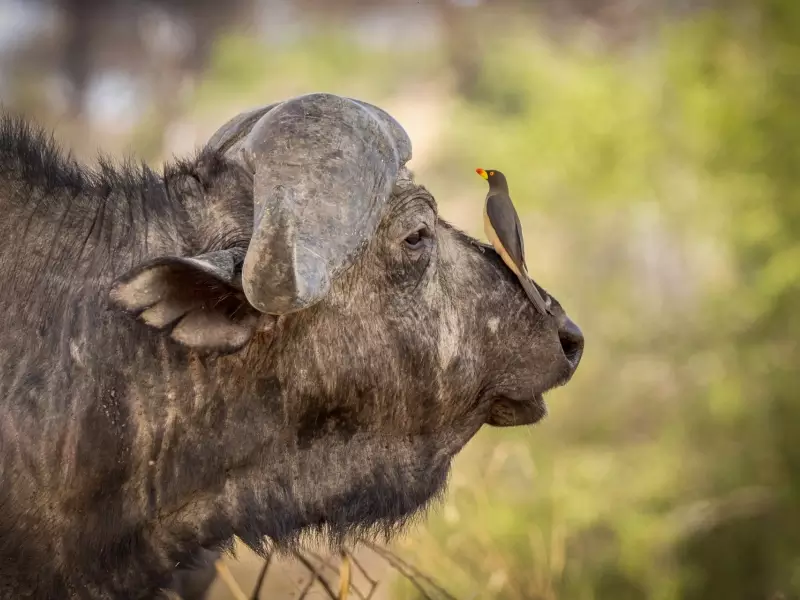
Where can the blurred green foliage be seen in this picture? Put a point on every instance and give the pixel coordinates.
(244, 70)
(658, 187)
(670, 466)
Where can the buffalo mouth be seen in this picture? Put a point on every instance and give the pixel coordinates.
(509, 412)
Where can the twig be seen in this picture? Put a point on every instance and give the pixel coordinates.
(360, 568)
(405, 569)
(398, 562)
(344, 576)
(400, 569)
(226, 576)
(307, 587)
(319, 578)
(261, 576)
(373, 584)
(372, 588)
(313, 578)
(327, 564)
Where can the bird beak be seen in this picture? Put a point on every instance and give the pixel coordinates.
(482, 173)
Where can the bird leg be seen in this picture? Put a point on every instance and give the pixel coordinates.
(480, 245)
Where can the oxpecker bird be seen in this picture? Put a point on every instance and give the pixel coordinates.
(502, 227)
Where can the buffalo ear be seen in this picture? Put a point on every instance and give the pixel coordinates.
(198, 301)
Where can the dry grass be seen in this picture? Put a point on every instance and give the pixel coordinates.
(352, 573)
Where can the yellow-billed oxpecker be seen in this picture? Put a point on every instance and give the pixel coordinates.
(502, 226)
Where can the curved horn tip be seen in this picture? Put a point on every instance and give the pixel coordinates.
(275, 295)
(237, 127)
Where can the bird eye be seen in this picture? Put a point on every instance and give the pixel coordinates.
(416, 240)
(491, 172)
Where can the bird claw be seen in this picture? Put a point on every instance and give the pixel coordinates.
(479, 246)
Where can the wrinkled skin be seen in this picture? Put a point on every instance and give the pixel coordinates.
(127, 447)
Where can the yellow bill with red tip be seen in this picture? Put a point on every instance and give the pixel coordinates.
(482, 173)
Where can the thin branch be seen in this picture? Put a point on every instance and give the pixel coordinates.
(313, 570)
(344, 576)
(410, 577)
(226, 576)
(372, 589)
(327, 564)
(312, 580)
(372, 582)
(395, 560)
(407, 570)
(261, 576)
(307, 587)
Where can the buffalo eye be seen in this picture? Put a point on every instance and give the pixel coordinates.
(416, 240)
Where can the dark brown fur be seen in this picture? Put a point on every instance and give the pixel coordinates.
(124, 452)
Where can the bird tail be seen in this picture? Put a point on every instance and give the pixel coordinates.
(533, 294)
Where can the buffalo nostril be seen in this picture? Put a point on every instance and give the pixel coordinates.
(571, 338)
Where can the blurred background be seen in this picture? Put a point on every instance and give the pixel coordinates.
(653, 151)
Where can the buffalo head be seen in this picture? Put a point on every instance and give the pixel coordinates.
(359, 339)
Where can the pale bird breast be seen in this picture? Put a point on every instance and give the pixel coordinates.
(495, 241)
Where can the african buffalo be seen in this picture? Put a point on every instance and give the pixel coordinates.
(277, 337)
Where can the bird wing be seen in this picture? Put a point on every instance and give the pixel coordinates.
(521, 245)
(504, 219)
(505, 222)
